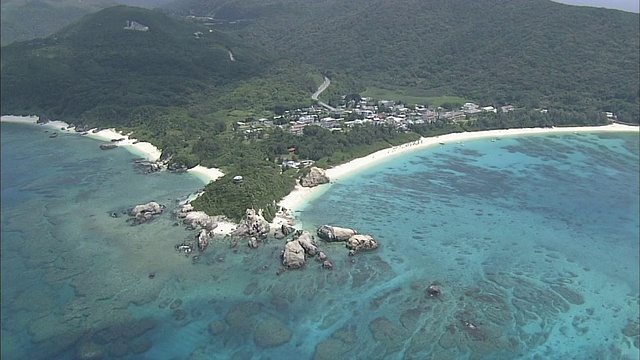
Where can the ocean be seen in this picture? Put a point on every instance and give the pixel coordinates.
(532, 241)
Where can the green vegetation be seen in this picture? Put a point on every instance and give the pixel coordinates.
(412, 97)
(263, 184)
(178, 87)
(26, 20)
(530, 53)
(29, 19)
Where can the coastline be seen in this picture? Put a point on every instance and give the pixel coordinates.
(205, 174)
(298, 199)
(142, 149)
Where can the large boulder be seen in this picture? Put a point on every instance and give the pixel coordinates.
(253, 224)
(147, 167)
(145, 212)
(152, 207)
(305, 239)
(334, 233)
(315, 177)
(361, 242)
(203, 239)
(184, 210)
(293, 255)
(199, 219)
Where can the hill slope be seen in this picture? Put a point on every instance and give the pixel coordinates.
(29, 19)
(528, 52)
(97, 64)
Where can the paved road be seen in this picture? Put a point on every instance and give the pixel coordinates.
(321, 88)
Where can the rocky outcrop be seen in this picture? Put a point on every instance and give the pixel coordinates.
(283, 231)
(253, 224)
(322, 256)
(196, 219)
(293, 255)
(199, 219)
(308, 244)
(203, 239)
(361, 242)
(334, 233)
(253, 242)
(143, 213)
(177, 168)
(315, 177)
(147, 167)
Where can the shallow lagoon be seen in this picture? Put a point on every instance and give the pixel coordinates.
(534, 240)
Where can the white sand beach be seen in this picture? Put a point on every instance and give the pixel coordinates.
(142, 149)
(224, 228)
(300, 196)
(206, 174)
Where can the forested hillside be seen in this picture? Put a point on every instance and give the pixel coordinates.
(528, 52)
(95, 70)
(197, 87)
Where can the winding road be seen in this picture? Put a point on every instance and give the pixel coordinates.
(325, 84)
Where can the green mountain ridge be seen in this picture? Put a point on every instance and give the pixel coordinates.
(29, 19)
(533, 53)
(97, 63)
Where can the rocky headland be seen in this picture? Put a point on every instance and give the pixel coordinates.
(315, 177)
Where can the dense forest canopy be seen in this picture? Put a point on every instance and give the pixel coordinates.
(528, 52)
(29, 19)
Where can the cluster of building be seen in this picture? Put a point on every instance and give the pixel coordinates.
(367, 111)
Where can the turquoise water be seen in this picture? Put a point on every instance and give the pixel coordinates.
(534, 240)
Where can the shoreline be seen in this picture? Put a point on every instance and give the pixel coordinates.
(299, 198)
(139, 148)
(205, 174)
(142, 149)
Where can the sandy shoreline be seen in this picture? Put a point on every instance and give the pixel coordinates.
(139, 148)
(300, 196)
(206, 174)
(142, 149)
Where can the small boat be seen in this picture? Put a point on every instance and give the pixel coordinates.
(441, 143)
(53, 135)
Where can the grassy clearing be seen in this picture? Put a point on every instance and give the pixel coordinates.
(411, 96)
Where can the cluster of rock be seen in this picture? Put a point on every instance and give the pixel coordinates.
(315, 177)
(177, 168)
(283, 231)
(143, 213)
(253, 225)
(354, 242)
(82, 128)
(294, 255)
(147, 167)
(108, 146)
(196, 220)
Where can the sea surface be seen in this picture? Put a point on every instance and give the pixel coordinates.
(533, 242)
